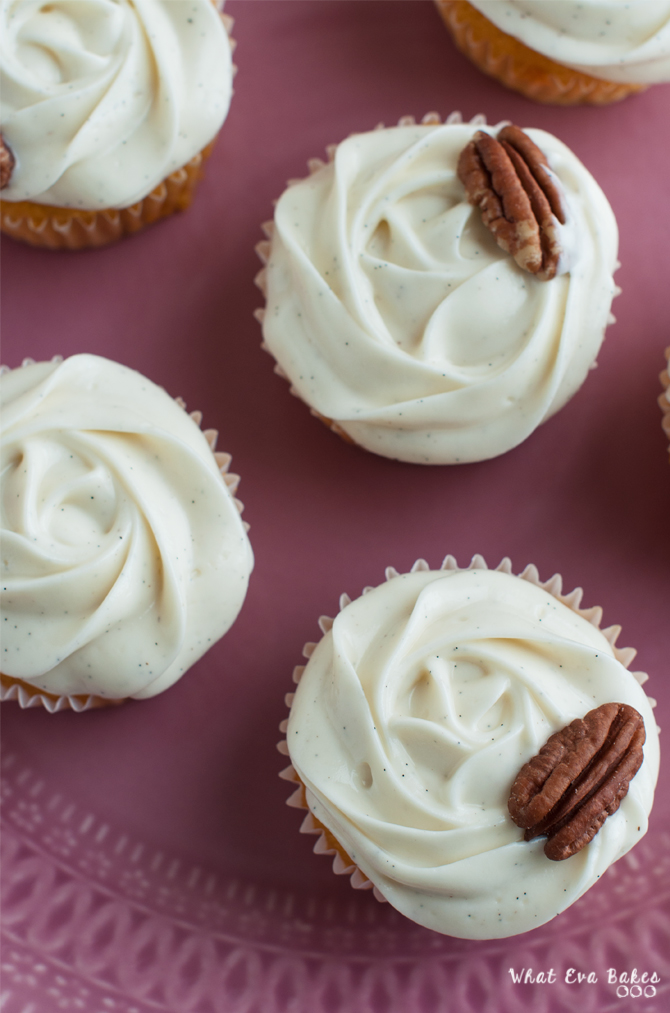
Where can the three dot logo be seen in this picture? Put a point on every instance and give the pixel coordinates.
(633, 985)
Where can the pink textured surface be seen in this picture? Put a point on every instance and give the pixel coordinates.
(151, 862)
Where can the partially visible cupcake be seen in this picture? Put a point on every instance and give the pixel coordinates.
(470, 744)
(664, 400)
(124, 555)
(108, 109)
(565, 52)
(438, 290)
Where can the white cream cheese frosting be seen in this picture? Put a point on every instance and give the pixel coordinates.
(615, 40)
(124, 557)
(411, 721)
(393, 312)
(101, 100)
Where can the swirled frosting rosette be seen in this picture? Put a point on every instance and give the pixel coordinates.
(107, 109)
(395, 315)
(124, 557)
(412, 719)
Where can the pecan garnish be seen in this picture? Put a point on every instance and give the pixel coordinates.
(7, 162)
(578, 779)
(510, 181)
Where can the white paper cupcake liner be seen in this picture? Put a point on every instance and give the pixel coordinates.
(28, 696)
(326, 843)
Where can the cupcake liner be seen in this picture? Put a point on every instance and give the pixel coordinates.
(263, 251)
(27, 695)
(58, 228)
(326, 843)
(523, 69)
(664, 399)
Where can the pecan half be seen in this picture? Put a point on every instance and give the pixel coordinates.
(7, 162)
(509, 180)
(578, 779)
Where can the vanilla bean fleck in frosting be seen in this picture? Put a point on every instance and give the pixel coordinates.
(614, 40)
(411, 721)
(124, 557)
(393, 312)
(103, 99)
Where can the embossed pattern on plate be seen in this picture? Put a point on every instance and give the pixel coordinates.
(92, 915)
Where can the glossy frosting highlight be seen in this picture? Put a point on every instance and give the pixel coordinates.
(102, 100)
(394, 313)
(124, 554)
(614, 40)
(411, 721)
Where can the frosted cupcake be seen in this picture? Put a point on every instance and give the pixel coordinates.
(108, 109)
(471, 745)
(124, 554)
(423, 316)
(563, 51)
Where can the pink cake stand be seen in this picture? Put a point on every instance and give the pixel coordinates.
(150, 861)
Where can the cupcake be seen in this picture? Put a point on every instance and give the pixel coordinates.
(471, 744)
(565, 52)
(438, 290)
(108, 110)
(664, 400)
(124, 555)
